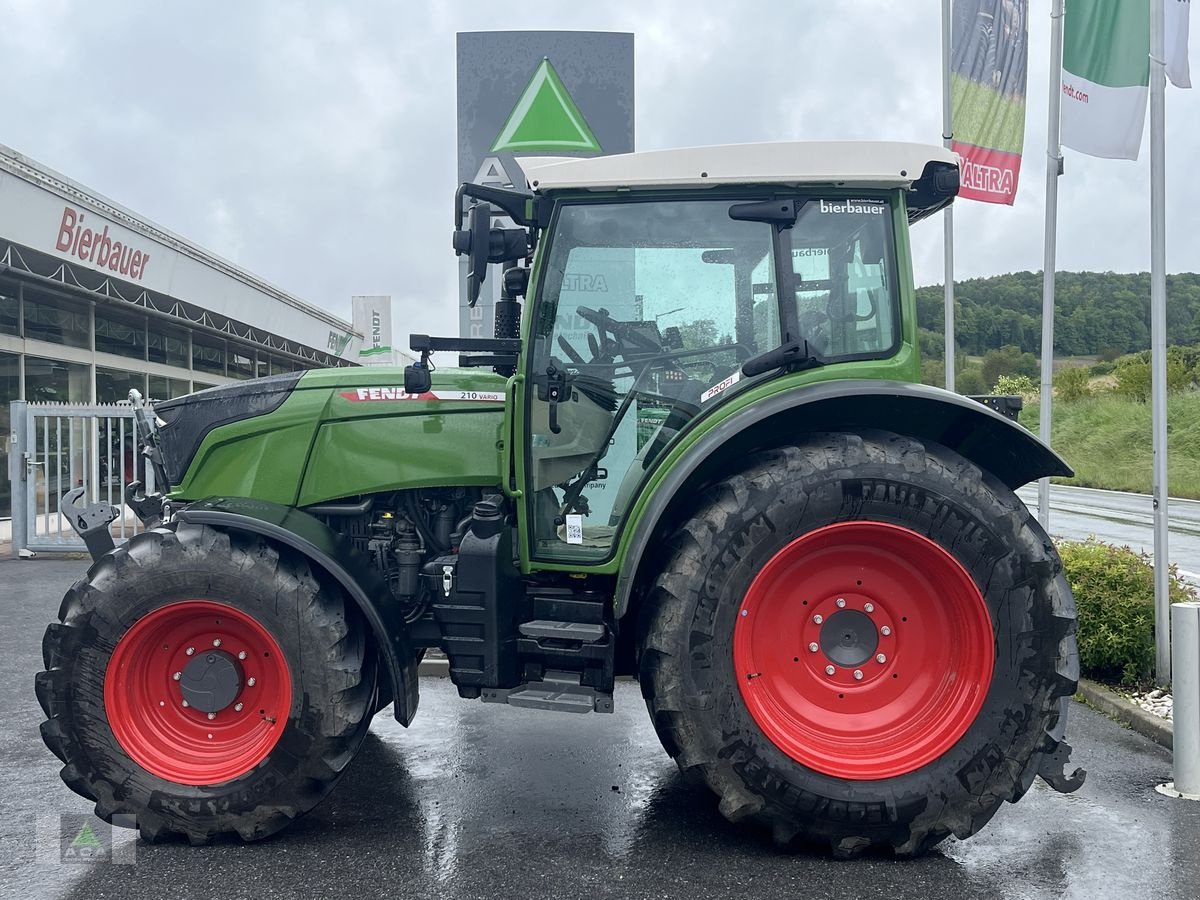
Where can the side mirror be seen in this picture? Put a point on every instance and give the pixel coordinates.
(474, 241)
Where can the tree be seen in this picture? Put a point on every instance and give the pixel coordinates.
(1008, 360)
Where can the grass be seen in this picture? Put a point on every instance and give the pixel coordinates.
(1107, 441)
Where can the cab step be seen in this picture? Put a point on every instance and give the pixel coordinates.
(557, 691)
(548, 629)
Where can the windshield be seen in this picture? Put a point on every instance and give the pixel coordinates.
(647, 312)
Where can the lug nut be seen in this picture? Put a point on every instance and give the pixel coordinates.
(250, 682)
(242, 654)
(829, 670)
(869, 607)
(190, 650)
(880, 658)
(216, 642)
(858, 675)
(211, 716)
(885, 631)
(185, 703)
(818, 618)
(841, 602)
(813, 647)
(177, 675)
(237, 707)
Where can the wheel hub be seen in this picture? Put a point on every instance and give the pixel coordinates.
(849, 638)
(197, 692)
(211, 681)
(863, 650)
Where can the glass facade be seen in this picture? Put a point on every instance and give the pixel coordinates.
(56, 381)
(208, 355)
(114, 385)
(163, 388)
(167, 345)
(121, 334)
(241, 362)
(10, 389)
(10, 319)
(49, 317)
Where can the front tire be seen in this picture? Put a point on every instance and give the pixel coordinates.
(203, 682)
(943, 632)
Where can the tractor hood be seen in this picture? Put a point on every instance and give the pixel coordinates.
(183, 423)
(304, 438)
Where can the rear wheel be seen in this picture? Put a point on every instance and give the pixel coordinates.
(863, 641)
(200, 682)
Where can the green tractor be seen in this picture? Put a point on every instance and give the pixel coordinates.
(699, 456)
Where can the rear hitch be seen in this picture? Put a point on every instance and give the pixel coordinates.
(90, 523)
(1053, 769)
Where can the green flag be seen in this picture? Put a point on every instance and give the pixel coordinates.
(1106, 76)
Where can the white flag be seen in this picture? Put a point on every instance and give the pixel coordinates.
(1176, 27)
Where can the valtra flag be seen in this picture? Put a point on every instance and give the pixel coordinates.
(990, 49)
(1106, 76)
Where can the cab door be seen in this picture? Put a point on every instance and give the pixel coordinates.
(645, 311)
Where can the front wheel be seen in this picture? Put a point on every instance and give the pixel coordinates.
(862, 640)
(202, 682)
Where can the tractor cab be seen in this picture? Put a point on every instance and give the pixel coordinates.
(665, 284)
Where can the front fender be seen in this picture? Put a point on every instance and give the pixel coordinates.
(985, 437)
(333, 553)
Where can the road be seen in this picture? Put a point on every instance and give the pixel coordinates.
(1120, 518)
(480, 801)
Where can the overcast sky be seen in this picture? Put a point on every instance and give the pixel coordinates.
(315, 147)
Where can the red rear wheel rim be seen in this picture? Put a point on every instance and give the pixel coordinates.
(145, 693)
(860, 592)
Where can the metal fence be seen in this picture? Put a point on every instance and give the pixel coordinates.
(55, 447)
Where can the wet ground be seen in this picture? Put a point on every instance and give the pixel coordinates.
(1121, 518)
(491, 802)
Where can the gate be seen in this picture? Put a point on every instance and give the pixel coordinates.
(55, 447)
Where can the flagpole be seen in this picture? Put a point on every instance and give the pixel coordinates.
(1158, 339)
(948, 214)
(1053, 170)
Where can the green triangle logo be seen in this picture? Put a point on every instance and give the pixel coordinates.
(545, 118)
(86, 837)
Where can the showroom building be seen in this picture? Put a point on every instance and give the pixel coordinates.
(95, 300)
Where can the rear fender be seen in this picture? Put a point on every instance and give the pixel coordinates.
(985, 437)
(331, 552)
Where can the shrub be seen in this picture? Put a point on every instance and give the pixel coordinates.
(933, 371)
(1072, 384)
(969, 380)
(1022, 385)
(1133, 377)
(1100, 369)
(1114, 596)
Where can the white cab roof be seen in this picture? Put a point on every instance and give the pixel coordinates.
(874, 164)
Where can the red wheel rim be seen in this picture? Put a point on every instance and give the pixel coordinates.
(850, 708)
(146, 693)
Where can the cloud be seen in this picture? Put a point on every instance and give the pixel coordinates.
(317, 144)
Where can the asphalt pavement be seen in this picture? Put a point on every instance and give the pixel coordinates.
(486, 801)
(1123, 519)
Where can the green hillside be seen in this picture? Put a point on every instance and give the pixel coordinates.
(1097, 313)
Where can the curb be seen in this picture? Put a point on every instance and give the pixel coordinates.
(1134, 717)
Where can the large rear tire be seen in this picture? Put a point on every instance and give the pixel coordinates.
(203, 683)
(861, 641)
